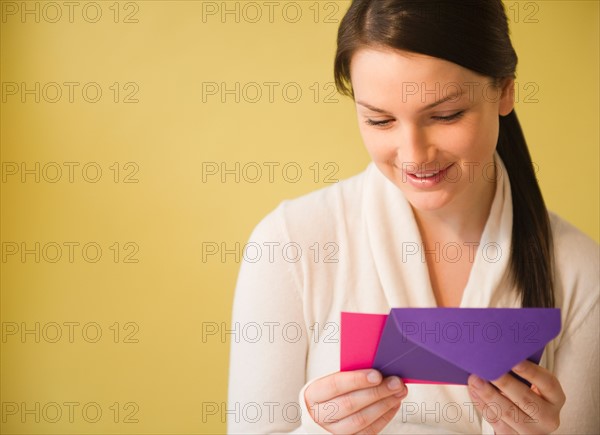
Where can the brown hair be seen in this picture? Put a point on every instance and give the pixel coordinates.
(473, 34)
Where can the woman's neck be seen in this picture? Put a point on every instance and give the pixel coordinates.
(461, 220)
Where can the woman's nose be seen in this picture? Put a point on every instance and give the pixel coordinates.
(415, 147)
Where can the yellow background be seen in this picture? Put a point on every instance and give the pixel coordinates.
(166, 298)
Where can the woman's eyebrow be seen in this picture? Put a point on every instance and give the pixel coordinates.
(373, 108)
(453, 96)
(449, 97)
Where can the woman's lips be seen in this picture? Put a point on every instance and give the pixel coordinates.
(426, 179)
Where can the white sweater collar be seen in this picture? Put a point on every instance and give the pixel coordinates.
(397, 248)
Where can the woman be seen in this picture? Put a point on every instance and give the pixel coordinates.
(433, 84)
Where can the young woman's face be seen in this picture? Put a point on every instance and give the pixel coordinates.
(430, 126)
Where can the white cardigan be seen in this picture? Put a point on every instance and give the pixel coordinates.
(355, 246)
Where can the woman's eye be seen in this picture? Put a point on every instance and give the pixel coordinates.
(449, 118)
(378, 123)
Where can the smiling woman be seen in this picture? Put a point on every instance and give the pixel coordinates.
(433, 84)
(426, 143)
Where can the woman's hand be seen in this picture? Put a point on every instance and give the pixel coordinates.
(355, 401)
(515, 408)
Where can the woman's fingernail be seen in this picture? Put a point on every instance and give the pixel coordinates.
(519, 367)
(394, 383)
(373, 377)
(476, 382)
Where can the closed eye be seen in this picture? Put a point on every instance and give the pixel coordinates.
(449, 118)
(378, 123)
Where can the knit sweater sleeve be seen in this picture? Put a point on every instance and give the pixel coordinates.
(577, 368)
(576, 358)
(269, 342)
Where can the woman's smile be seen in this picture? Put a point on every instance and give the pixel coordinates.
(425, 178)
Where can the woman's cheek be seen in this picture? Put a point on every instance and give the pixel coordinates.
(482, 136)
(377, 147)
(465, 143)
(453, 142)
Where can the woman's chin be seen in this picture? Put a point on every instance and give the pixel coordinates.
(427, 201)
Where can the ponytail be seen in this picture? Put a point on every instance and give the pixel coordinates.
(531, 258)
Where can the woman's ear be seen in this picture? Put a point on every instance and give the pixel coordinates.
(507, 98)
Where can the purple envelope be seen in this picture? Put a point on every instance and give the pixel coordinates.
(447, 344)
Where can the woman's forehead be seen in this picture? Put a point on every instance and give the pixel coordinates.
(391, 64)
(382, 74)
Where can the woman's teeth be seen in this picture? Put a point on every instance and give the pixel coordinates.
(426, 175)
